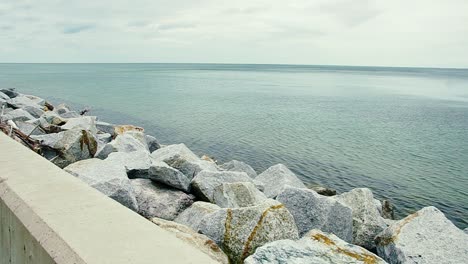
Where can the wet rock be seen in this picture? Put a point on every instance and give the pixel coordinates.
(239, 231)
(84, 122)
(153, 143)
(199, 241)
(237, 194)
(10, 92)
(158, 200)
(160, 172)
(193, 215)
(367, 222)
(205, 183)
(18, 115)
(239, 166)
(313, 211)
(105, 127)
(388, 211)
(122, 143)
(108, 178)
(136, 163)
(315, 247)
(183, 159)
(426, 236)
(276, 178)
(121, 129)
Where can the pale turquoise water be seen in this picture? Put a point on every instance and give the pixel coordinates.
(403, 132)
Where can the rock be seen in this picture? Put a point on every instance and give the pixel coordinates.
(239, 231)
(199, 241)
(325, 191)
(259, 185)
(71, 114)
(239, 166)
(122, 143)
(34, 111)
(153, 143)
(315, 247)
(136, 163)
(74, 145)
(23, 101)
(160, 172)
(378, 205)
(53, 118)
(62, 109)
(48, 139)
(208, 158)
(205, 183)
(18, 115)
(367, 222)
(10, 92)
(4, 97)
(157, 200)
(426, 236)
(388, 211)
(108, 178)
(313, 211)
(193, 215)
(84, 122)
(237, 194)
(28, 128)
(180, 157)
(140, 136)
(119, 130)
(466, 230)
(276, 178)
(106, 127)
(104, 138)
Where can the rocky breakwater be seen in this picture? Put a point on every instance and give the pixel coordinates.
(226, 210)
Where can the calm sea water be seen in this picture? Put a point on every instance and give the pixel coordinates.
(403, 132)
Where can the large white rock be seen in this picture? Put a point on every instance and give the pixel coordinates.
(159, 171)
(426, 236)
(108, 178)
(204, 184)
(316, 247)
(82, 122)
(136, 163)
(314, 211)
(158, 200)
(237, 194)
(199, 241)
(367, 221)
(193, 215)
(235, 165)
(239, 231)
(276, 178)
(122, 143)
(183, 159)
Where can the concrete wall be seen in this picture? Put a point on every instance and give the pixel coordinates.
(49, 216)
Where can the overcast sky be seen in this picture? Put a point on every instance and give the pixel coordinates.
(431, 33)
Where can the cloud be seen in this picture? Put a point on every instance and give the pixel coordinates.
(77, 29)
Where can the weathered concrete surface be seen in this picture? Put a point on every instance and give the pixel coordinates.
(57, 216)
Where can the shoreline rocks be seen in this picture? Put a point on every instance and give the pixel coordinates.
(276, 178)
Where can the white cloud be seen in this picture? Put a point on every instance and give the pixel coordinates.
(432, 33)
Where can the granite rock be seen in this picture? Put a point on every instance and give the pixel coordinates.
(239, 166)
(160, 172)
(205, 183)
(237, 194)
(193, 215)
(276, 178)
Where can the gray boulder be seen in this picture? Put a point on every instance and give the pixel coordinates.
(237, 194)
(18, 115)
(153, 143)
(193, 215)
(71, 114)
(315, 247)
(426, 236)
(322, 190)
(104, 138)
(160, 172)
(4, 97)
(205, 183)
(158, 200)
(240, 231)
(122, 143)
(276, 178)
(22, 101)
(367, 222)
(74, 145)
(29, 128)
(82, 122)
(108, 178)
(34, 111)
(53, 118)
(183, 159)
(105, 127)
(62, 109)
(239, 166)
(313, 211)
(10, 92)
(199, 241)
(136, 163)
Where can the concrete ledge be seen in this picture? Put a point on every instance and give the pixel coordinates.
(49, 216)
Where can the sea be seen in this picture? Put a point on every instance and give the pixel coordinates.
(402, 132)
